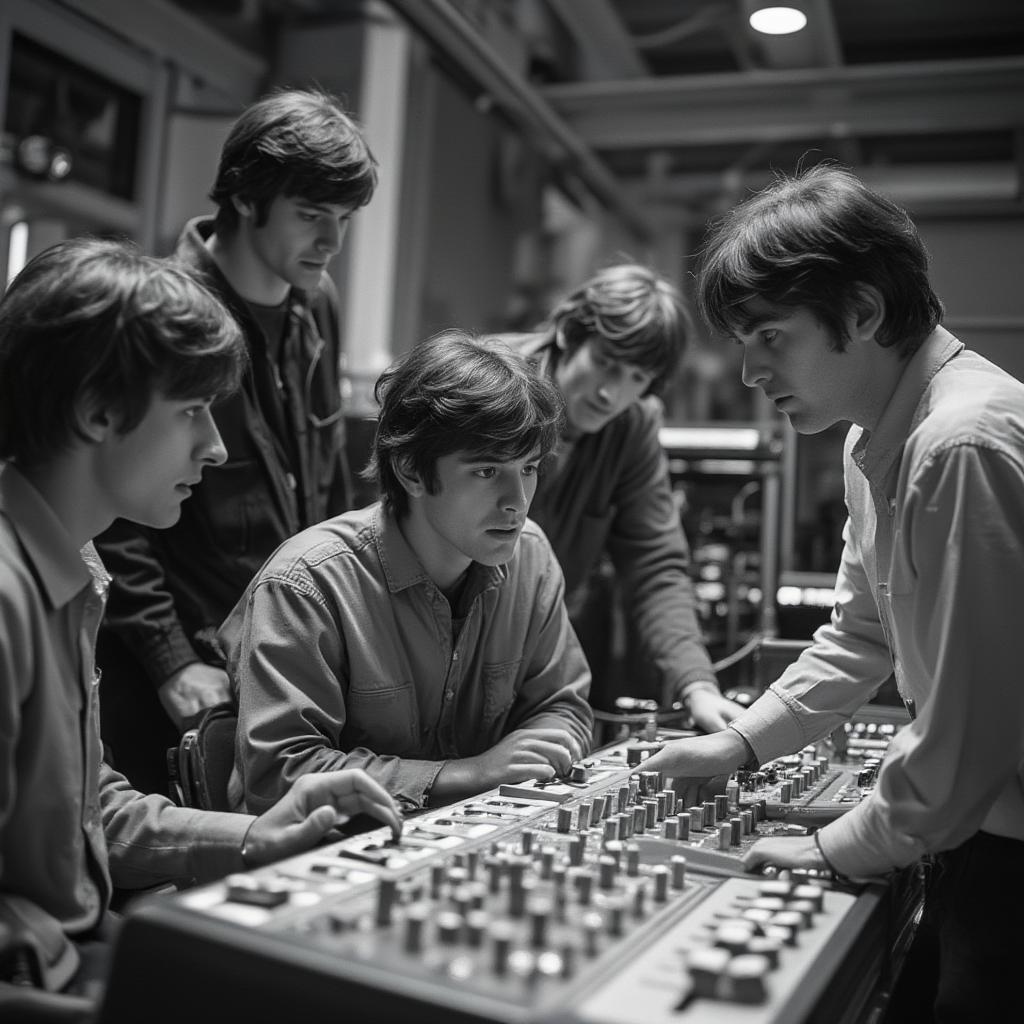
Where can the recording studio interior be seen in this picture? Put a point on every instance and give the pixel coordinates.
(597, 523)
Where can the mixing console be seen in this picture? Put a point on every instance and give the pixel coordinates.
(824, 781)
(593, 898)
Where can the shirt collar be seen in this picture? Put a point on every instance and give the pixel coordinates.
(403, 569)
(876, 451)
(62, 569)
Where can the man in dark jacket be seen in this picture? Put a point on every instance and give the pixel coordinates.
(292, 172)
(610, 347)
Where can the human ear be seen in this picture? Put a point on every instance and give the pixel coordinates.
(409, 478)
(867, 312)
(93, 420)
(243, 207)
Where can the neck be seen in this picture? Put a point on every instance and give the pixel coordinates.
(443, 564)
(246, 274)
(66, 484)
(884, 376)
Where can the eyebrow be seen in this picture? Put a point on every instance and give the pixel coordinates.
(468, 458)
(319, 207)
(757, 321)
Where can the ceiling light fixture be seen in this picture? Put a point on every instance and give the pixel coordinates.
(778, 21)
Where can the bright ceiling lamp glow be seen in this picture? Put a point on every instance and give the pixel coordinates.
(778, 21)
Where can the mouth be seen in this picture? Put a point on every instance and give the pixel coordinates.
(595, 412)
(504, 531)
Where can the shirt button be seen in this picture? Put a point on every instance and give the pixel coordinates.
(455, 656)
(448, 694)
(291, 481)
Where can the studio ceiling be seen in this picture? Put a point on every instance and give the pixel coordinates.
(675, 107)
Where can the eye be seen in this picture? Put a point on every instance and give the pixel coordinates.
(530, 469)
(769, 336)
(194, 409)
(485, 472)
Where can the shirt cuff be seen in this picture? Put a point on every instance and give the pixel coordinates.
(411, 783)
(217, 847)
(769, 727)
(860, 847)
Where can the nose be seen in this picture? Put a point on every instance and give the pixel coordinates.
(331, 235)
(754, 372)
(518, 493)
(608, 390)
(212, 451)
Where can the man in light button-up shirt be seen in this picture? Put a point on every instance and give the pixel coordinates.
(825, 286)
(424, 638)
(109, 362)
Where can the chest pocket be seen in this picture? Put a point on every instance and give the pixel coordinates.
(385, 719)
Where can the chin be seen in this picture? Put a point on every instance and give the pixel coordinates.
(588, 426)
(160, 520)
(804, 425)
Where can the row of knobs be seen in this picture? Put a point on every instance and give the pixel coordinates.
(793, 781)
(744, 946)
(657, 814)
(529, 888)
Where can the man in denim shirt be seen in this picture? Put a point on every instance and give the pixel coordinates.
(825, 285)
(424, 638)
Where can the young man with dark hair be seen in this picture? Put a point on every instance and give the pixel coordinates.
(109, 364)
(825, 285)
(293, 170)
(611, 347)
(423, 638)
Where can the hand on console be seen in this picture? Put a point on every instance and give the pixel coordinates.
(521, 755)
(694, 761)
(311, 808)
(785, 852)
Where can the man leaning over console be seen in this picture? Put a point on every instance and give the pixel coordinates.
(424, 638)
(825, 285)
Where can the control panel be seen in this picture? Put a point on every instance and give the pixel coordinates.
(824, 781)
(595, 897)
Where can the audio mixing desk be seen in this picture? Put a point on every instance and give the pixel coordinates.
(596, 899)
